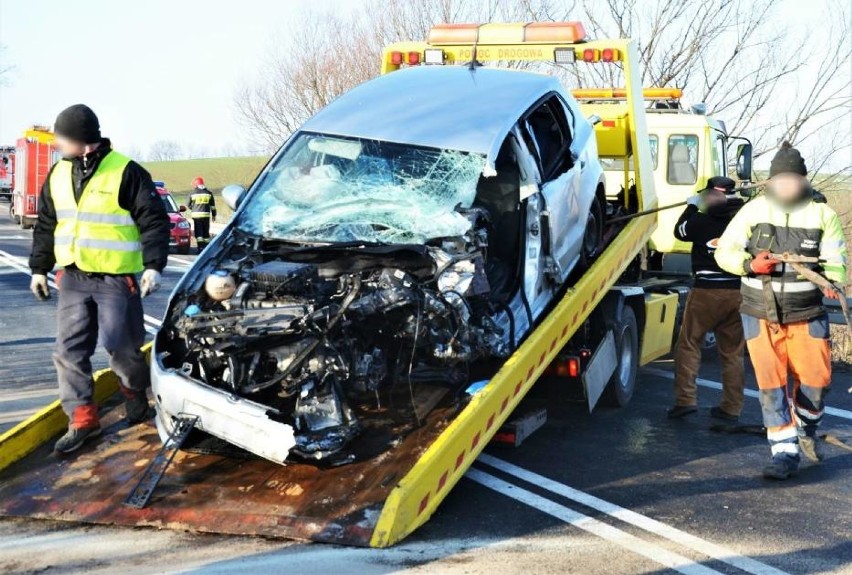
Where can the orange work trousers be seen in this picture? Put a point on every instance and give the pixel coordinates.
(797, 351)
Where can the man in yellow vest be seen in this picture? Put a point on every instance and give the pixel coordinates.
(101, 220)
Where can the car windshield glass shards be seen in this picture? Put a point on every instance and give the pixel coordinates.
(334, 189)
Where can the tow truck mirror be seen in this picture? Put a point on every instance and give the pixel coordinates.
(181, 208)
(233, 195)
(744, 161)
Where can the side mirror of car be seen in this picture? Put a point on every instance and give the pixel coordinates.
(181, 208)
(744, 153)
(233, 195)
(594, 119)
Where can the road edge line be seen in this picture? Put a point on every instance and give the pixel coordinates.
(643, 522)
(647, 549)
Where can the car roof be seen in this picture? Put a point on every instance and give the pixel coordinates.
(445, 107)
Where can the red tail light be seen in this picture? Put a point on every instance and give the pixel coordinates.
(396, 58)
(573, 366)
(413, 58)
(610, 55)
(591, 55)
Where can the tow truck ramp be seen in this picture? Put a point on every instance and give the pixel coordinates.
(373, 502)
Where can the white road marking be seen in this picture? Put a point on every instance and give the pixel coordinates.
(835, 411)
(13, 238)
(32, 394)
(181, 261)
(653, 526)
(642, 547)
(16, 416)
(16, 264)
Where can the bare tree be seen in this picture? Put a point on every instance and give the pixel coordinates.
(165, 151)
(134, 153)
(729, 54)
(327, 55)
(5, 67)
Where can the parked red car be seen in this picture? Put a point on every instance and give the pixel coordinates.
(181, 230)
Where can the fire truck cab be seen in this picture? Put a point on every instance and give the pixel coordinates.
(34, 156)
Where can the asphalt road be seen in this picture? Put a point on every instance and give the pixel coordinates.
(616, 491)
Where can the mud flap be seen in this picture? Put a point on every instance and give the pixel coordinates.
(600, 369)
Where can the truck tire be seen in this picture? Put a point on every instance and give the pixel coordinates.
(620, 388)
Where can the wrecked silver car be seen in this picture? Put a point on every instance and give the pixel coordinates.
(405, 238)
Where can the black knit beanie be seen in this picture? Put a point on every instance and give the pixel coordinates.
(78, 123)
(788, 160)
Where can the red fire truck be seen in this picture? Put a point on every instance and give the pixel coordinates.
(33, 158)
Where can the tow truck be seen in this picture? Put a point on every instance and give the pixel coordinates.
(609, 321)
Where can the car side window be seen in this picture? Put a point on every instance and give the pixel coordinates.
(547, 134)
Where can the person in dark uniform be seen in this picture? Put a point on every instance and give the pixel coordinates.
(202, 206)
(713, 303)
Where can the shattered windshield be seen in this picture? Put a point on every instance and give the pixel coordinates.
(335, 189)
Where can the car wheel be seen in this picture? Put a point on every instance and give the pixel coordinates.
(593, 234)
(620, 388)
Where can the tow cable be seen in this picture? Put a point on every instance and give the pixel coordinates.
(679, 204)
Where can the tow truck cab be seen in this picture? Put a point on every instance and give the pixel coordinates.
(180, 230)
(687, 148)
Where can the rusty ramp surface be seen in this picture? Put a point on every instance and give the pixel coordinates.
(212, 493)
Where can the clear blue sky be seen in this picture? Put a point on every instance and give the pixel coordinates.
(152, 69)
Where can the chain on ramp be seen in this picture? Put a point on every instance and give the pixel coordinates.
(144, 489)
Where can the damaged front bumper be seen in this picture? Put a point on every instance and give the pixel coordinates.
(236, 420)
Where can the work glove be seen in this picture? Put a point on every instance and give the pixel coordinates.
(38, 285)
(150, 282)
(763, 264)
(831, 293)
(694, 200)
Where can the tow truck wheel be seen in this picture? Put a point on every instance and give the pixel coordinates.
(623, 381)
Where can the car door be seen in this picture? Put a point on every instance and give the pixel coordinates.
(547, 133)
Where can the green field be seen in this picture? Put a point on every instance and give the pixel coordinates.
(217, 173)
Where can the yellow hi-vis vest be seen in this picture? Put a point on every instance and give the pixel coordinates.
(96, 234)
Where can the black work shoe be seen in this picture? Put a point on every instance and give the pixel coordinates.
(679, 411)
(137, 409)
(719, 413)
(811, 448)
(781, 467)
(75, 438)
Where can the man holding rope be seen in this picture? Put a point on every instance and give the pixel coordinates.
(784, 321)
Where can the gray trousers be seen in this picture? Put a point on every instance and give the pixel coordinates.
(89, 307)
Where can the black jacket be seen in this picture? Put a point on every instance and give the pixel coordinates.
(703, 231)
(137, 195)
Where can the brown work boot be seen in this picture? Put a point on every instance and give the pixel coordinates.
(136, 408)
(680, 411)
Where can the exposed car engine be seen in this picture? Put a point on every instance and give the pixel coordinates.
(314, 332)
